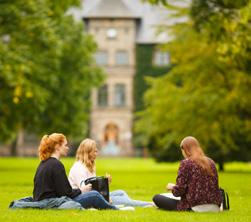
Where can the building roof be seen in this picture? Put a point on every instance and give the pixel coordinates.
(150, 16)
(110, 9)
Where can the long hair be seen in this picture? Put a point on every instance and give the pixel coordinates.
(193, 151)
(83, 153)
(48, 144)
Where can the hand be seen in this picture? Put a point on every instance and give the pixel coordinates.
(170, 186)
(107, 175)
(86, 188)
(110, 200)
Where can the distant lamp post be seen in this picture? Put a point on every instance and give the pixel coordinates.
(6, 38)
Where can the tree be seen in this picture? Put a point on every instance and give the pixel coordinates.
(207, 92)
(46, 69)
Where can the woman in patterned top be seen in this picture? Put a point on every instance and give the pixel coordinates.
(196, 183)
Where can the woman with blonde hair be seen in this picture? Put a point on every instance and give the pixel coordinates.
(50, 180)
(196, 185)
(84, 168)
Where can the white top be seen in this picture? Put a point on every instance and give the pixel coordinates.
(78, 174)
(170, 195)
(206, 208)
(198, 208)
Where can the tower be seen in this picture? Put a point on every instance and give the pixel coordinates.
(113, 26)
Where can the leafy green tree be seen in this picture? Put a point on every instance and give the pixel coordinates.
(46, 69)
(207, 93)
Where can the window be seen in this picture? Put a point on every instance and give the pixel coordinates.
(161, 58)
(101, 57)
(103, 96)
(119, 97)
(122, 58)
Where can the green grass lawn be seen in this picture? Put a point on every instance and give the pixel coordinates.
(141, 178)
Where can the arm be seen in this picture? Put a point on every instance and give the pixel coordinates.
(61, 183)
(182, 180)
(170, 186)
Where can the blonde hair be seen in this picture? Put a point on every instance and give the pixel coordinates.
(48, 144)
(83, 153)
(193, 151)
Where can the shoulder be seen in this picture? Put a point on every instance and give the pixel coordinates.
(77, 166)
(55, 163)
(186, 162)
(211, 161)
(50, 165)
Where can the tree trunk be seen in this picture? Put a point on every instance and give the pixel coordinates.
(221, 166)
(13, 148)
(17, 143)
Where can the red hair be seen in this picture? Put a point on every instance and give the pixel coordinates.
(193, 151)
(48, 144)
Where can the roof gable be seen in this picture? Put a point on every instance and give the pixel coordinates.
(110, 9)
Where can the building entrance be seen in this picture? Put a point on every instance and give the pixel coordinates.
(111, 140)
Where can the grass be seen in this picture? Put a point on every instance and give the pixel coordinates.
(141, 178)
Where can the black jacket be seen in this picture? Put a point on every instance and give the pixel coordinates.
(51, 181)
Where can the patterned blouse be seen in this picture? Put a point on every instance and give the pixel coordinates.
(195, 187)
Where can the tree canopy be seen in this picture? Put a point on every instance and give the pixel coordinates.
(46, 69)
(207, 93)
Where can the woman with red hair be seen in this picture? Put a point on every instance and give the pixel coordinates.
(196, 185)
(50, 180)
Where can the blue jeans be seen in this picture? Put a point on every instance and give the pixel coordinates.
(121, 197)
(93, 199)
(49, 203)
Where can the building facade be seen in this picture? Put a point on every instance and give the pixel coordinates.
(118, 27)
